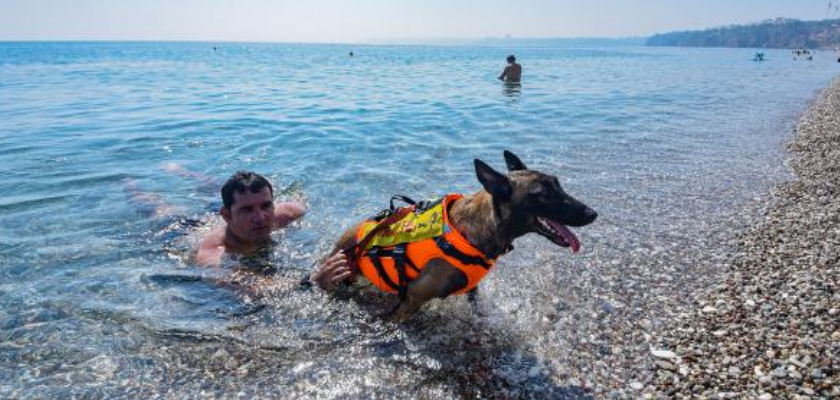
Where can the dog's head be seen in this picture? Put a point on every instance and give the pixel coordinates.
(527, 201)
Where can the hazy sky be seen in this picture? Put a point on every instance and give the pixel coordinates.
(363, 20)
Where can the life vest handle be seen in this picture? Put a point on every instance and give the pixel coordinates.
(403, 198)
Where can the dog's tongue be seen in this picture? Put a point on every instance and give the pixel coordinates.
(567, 235)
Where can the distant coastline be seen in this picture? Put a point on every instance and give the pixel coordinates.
(780, 33)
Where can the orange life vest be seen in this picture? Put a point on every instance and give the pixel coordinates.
(391, 268)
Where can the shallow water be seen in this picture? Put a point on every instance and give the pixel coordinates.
(672, 146)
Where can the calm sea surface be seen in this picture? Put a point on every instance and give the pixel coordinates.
(673, 147)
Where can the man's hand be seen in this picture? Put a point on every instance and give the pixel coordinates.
(332, 271)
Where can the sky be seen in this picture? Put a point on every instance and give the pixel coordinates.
(360, 21)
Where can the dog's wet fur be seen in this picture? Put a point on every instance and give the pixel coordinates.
(509, 206)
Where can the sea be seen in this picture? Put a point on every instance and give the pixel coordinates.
(111, 155)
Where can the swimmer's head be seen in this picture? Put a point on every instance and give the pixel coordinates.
(248, 207)
(242, 181)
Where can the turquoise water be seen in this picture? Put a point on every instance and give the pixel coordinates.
(671, 146)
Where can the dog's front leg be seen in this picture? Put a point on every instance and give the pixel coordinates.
(472, 296)
(438, 279)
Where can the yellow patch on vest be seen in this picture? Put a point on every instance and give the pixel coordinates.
(412, 228)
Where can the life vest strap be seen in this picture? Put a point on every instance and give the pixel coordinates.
(377, 263)
(399, 264)
(388, 252)
(400, 260)
(451, 251)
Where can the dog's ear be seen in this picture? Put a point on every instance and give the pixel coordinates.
(513, 162)
(498, 185)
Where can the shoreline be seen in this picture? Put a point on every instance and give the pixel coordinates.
(771, 328)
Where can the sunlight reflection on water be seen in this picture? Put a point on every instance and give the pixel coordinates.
(671, 146)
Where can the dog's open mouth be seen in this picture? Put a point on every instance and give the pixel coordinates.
(558, 233)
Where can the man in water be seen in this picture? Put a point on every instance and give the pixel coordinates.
(513, 71)
(250, 215)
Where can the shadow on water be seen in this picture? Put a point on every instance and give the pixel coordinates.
(307, 344)
(481, 358)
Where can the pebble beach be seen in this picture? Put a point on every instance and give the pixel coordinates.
(771, 328)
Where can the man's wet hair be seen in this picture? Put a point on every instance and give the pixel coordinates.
(511, 58)
(242, 181)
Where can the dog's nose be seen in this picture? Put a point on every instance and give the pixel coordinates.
(590, 215)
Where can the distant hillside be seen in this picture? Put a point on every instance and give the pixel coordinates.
(777, 33)
(571, 42)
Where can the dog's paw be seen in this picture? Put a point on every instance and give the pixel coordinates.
(401, 313)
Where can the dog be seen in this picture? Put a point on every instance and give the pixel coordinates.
(476, 230)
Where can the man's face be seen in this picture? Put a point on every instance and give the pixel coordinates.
(251, 216)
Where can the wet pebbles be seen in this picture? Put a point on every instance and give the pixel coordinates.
(770, 329)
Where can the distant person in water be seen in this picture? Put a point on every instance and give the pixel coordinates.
(513, 71)
(250, 215)
(351, 54)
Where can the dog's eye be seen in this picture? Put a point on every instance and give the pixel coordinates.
(537, 191)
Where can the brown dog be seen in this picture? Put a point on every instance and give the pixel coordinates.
(509, 206)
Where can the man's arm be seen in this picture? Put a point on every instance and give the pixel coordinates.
(178, 169)
(287, 212)
(211, 249)
(504, 73)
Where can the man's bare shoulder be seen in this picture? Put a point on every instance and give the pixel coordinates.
(211, 248)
